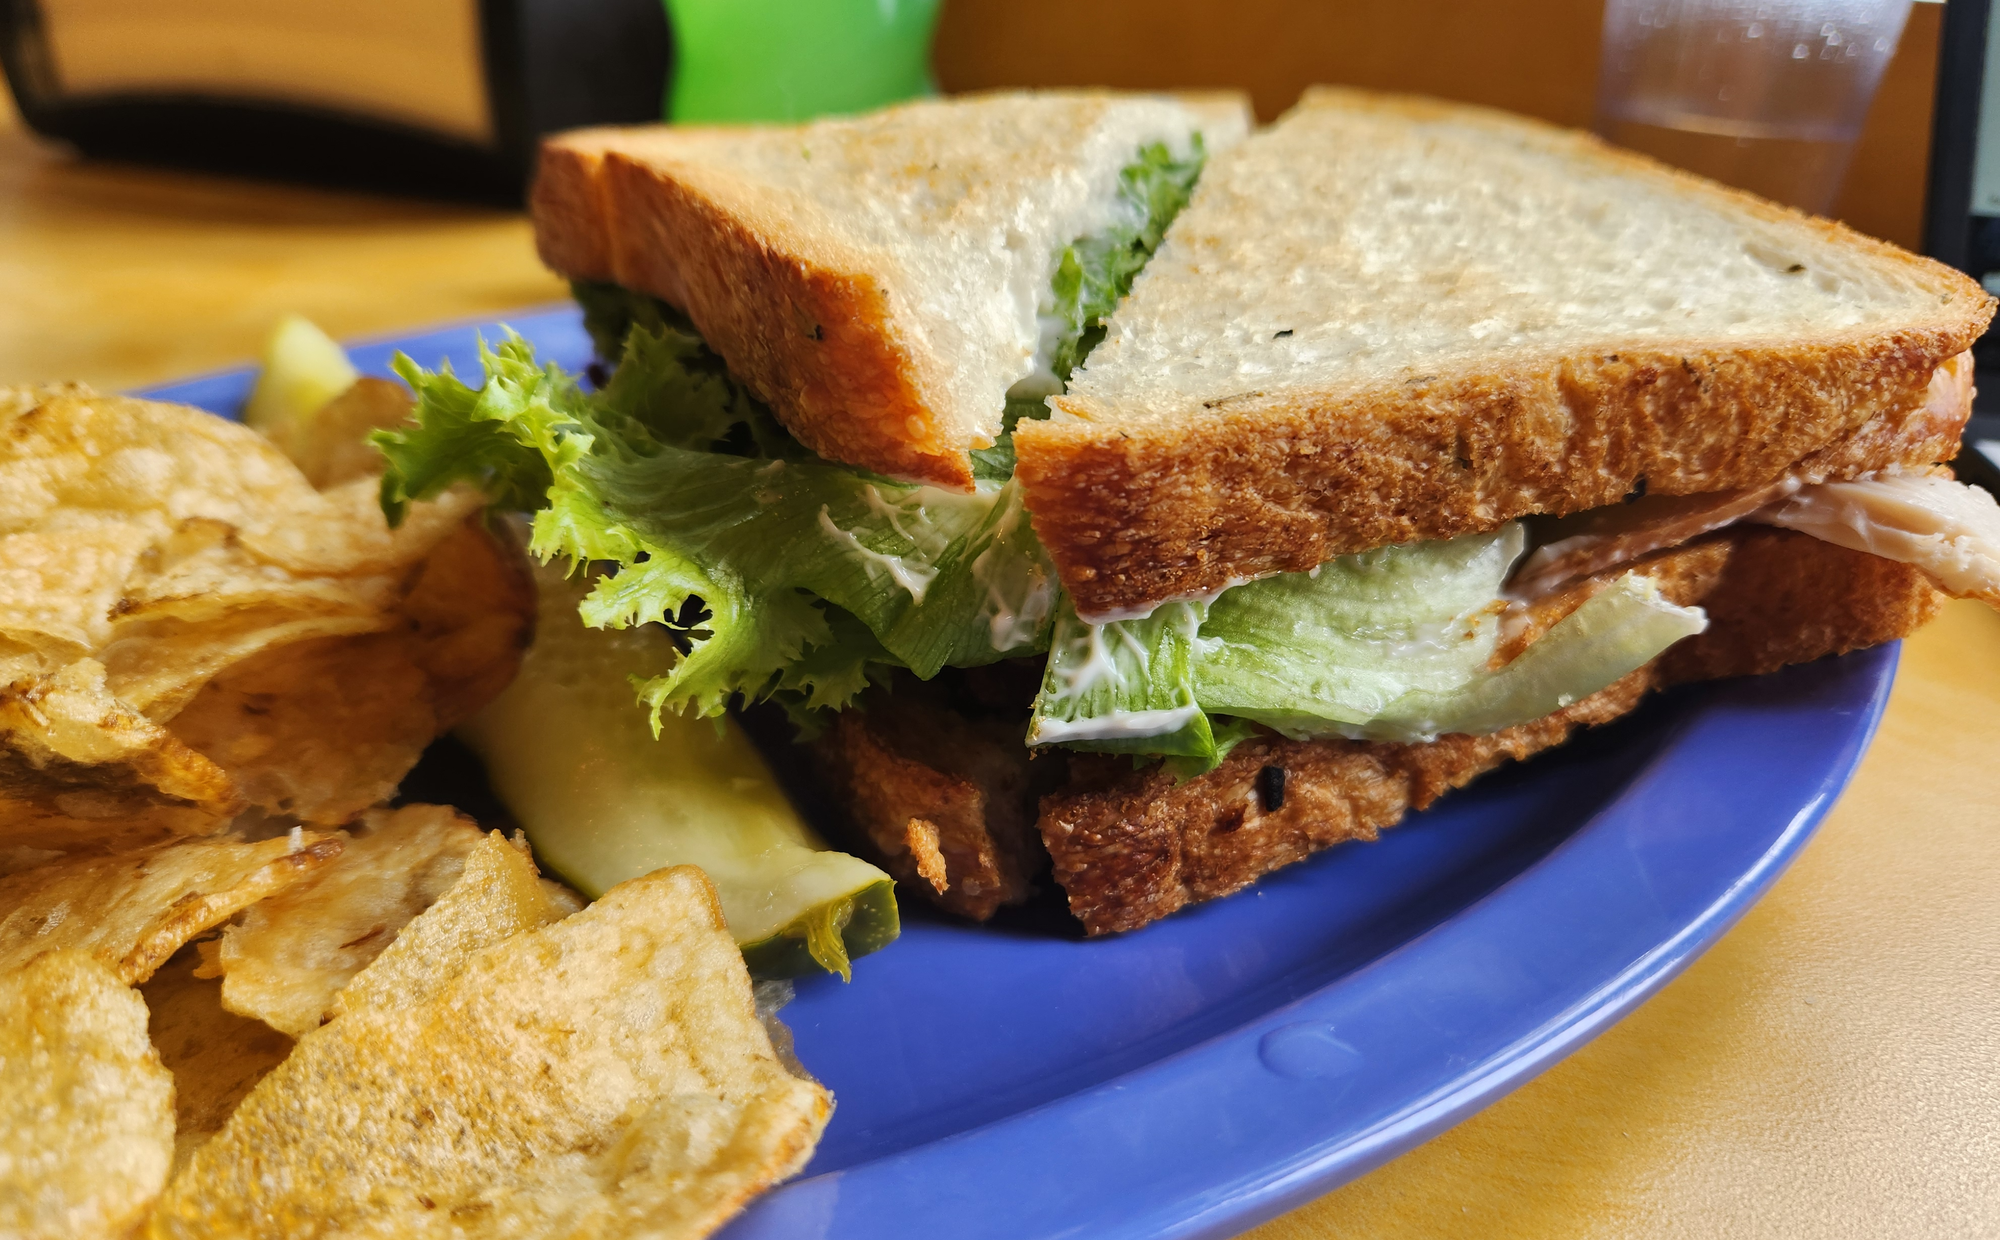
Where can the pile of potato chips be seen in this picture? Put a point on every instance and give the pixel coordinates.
(238, 996)
(188, 627)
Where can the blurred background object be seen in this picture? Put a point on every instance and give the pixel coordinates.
(443, 97)
(1766, 95)
(1962, 214)
(786, 60)
(439, 97)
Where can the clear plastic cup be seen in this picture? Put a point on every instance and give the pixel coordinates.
(1766, 95)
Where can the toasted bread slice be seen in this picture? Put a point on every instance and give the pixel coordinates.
(932, 779)
(875, 279)
(1387, 319)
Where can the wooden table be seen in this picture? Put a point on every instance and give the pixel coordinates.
(1831, 1069)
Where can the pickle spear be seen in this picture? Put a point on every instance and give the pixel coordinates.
(570, 752)
(304, 368)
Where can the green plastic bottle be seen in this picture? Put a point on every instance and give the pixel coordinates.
(787, 60)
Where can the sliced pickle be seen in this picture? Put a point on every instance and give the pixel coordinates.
(569, 751)
(304, 368)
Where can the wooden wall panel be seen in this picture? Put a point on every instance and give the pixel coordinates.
(1533, 56)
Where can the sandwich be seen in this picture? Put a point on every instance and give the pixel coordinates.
(1110, 492)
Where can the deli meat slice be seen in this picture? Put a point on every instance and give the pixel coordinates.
(1604, 538)
(1948, 529)
(1591, 542)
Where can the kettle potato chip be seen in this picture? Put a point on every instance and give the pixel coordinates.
(86, 1109)
(497, 896)
(605, 1075)
(78, 766)
(163, 572)
(192, 626)
(331, 446)
(288, 956)
(135, 910)
(320, 730)
(215, 1055)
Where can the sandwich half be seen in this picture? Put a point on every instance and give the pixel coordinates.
(1390, 319)
(1417, 437)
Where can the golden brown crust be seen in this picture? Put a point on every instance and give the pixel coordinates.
(1132, 846)
(568, 206)
(887, 794)
(1780, 597)
(810, 334)
(940, 800)
(1140, 513)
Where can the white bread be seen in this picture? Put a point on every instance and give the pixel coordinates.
(1386, 319)
(875, 279)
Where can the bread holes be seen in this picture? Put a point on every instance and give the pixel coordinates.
(1765, 254)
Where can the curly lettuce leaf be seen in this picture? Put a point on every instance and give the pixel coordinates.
(742, 556)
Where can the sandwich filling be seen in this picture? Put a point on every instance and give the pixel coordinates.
(784, 577)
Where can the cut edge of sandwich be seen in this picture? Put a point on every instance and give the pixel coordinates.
(1130, 845)
(878, 344)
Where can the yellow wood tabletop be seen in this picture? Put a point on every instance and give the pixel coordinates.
(1831, 1069)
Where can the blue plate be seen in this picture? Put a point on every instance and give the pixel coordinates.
(1194, 1078)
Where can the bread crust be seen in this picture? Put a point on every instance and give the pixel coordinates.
(567, 203)
(1136, 515)
(1131, 846)
(806, 330)
(968, 845)
(936, 788)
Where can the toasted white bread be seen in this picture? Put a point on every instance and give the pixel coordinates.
(875, 279)
(1387, 319)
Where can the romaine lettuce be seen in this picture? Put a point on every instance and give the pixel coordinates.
(1391, 644)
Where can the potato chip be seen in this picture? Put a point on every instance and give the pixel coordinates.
(150, 551)
(77, 766)
(215, 1055)
(160, 666)
(288, 955)
(135, 910)
(497, 896)
(474, 612)
(603, 1076)
(331, 446)
(15, 860)
(320, 730)
(86, 1109)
